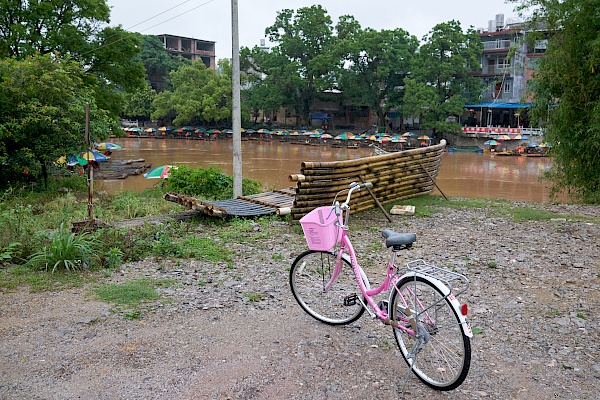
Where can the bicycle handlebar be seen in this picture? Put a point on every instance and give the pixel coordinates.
(355, 186)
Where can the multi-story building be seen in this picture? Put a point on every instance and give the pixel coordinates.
(192, 49)
(506, 65)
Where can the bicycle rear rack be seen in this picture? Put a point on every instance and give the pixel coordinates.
(443, 275)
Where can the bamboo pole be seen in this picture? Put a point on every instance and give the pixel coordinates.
(383, 210)
(400, 154)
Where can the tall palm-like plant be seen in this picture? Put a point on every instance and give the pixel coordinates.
(67, 251)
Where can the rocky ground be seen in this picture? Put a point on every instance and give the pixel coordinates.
(534, 294)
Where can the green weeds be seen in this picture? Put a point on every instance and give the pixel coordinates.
(130, 297)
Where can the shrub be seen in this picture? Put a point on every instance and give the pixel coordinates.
(208, 183)
(66, 252)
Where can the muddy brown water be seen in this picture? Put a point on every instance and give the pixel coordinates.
(473, 175)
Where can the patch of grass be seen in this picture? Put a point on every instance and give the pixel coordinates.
(254, 297)
(205, 249)
(492, 264)
(581, 315)
(277, 257)
(519, 214)
(476, 331)
(131, 293)
(426, 206)
(41, 281)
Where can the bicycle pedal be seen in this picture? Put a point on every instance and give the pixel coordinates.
(351, 300)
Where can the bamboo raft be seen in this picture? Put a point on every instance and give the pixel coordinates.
(279, 201)
(395, 176)
(121, 170)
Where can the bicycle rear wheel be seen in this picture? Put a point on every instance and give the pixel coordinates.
(339, 305)
(443, 362)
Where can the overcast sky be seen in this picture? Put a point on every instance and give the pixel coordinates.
(211, 19)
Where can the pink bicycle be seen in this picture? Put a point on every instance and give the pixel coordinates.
(430, 325)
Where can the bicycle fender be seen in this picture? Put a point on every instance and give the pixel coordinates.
(464, 322)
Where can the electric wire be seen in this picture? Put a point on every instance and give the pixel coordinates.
(151, 18)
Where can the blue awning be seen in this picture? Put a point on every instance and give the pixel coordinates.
(319, 116)
(498, 105)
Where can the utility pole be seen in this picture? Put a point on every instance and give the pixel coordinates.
(237, 117)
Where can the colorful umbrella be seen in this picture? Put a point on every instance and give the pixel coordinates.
(214, 131)
(262, 130)
(161, 172)
(342, 136)
(532, 144)
(74, 160)
(502, 137)
(408, 134)
(319, 131)
(94, 156)
(108, 146)
(250, 131)
(491, 143)
(230, 131)
(200, 130)
(150, 130)
(423, 137)
(164, 129)
(326, 136)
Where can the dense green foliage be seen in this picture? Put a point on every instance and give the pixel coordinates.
(566, 90)
(42, 115)
(199, 95)
(75, 28)
(368, 67)
(378, 63)
(209, 183)
(439, 76)
(56, 56)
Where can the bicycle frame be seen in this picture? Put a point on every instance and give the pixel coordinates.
(345, 246)
(368, 293)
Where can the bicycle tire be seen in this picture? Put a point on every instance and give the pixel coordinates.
(310, 271)
(444, 362)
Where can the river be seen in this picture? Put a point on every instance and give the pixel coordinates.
(473, 175)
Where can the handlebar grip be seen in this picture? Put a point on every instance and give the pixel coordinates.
(365, 185)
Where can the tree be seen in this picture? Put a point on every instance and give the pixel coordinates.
(439, 76)
(138, 104)
(270, 80)
(566, 92)
(42, 115)
(199, 94)
(75, 28)
(379, 61)
(305, 38)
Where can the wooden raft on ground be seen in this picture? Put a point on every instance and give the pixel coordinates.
(279, 201)
(395, 176)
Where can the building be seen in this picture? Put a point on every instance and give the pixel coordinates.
(507, 63)
(192, 49)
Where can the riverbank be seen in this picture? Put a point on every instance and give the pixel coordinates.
(235, 331)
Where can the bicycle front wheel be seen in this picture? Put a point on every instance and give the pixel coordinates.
(443, 362)
(338, 305)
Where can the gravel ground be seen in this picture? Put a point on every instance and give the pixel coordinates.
(534, 293)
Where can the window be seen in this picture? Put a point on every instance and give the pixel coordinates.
(506, 87)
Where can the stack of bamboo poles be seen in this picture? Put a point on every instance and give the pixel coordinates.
(395, 176)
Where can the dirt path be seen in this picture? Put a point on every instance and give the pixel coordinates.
(535, 294)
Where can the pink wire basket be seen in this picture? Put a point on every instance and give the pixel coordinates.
(320, 228)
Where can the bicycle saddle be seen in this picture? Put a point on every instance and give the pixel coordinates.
(398, 240)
